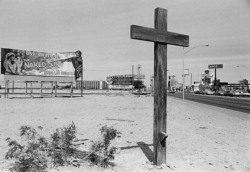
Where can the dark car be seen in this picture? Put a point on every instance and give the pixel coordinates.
(220, 93)
(197, 92)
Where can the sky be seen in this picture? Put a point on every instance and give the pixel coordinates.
(101, 30)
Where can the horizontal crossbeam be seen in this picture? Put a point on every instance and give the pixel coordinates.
(159, 36)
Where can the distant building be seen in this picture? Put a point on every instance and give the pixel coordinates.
(92, 85)
(243, 82)
(173, 83)
(123, 82)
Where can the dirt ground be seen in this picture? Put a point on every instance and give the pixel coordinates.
(201, 137)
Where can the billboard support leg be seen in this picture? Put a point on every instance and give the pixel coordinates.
(5, 89)
(55, 89)
(25, 87)
(52, 85)
(41, 93)
(13, 83)
(8, 89)
(31, 89)
(82, 85)
(71, 89)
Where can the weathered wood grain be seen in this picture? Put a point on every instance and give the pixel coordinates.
(160, 85)
(159, 36)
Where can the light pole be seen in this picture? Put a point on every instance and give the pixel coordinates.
(183, 84)
(183, 76)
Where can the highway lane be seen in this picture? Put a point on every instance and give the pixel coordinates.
(234, 103)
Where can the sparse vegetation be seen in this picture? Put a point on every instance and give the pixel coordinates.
(37, 153)
(102, 150)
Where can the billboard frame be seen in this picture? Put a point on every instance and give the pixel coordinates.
(35, 78)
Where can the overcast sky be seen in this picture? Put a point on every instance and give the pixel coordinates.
(101, 30)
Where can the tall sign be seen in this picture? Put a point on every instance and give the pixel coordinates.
(161, 37)
(215, 66)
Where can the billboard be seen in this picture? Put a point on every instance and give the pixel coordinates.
(120, 79)
(139, 76)
(22, 62)
(207, 77)
(213, 66)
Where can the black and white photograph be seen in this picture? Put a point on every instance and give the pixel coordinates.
(124, 86)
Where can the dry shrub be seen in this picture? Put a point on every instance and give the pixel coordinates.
(102, 150)
(37, 153)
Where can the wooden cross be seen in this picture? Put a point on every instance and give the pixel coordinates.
(161, 37)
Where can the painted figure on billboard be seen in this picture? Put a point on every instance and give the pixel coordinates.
(18, 63)
(9, 64)
(77, 63)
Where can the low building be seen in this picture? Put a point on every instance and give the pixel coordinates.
(92, 85)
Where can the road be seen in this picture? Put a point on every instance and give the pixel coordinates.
(234, 103)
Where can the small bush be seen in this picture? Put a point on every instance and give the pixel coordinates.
(37, 153)
(62, 148)
(102, 151)
(28, 156)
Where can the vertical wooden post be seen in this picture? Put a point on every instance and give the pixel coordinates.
(41, 93)
(26, 85)
(160, 98)
(215, 82)
(8, 89)
(5, 89)
(71, 89)
(161, 37)
(31, 89)
(52, 85)
(13, 85)
(55, 89)
(82, 82)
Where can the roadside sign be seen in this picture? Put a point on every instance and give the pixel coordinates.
(213, 66)
(139, 76)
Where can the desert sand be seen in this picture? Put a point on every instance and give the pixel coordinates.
(201, 137)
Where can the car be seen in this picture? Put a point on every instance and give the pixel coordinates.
(237, 93)
(209, 92)
(171, 91)
(244, 93)
(137, 92)
(197, 92)
(219, 93)
(228, 93)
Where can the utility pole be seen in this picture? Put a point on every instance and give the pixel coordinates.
(191, 80)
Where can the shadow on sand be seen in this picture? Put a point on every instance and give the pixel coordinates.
(145, 149)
